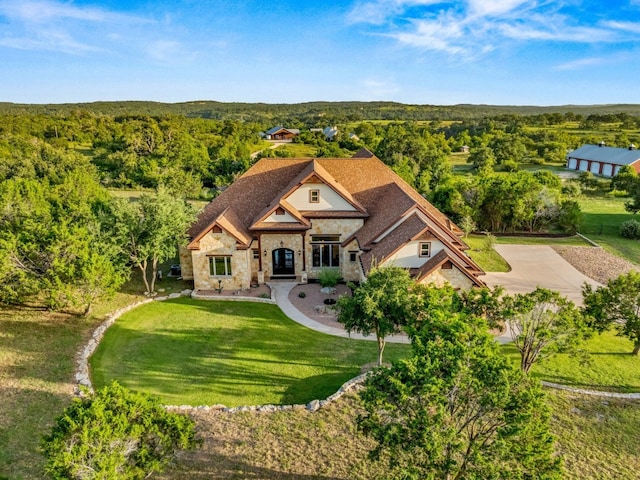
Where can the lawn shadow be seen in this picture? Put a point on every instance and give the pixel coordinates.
(323, 385)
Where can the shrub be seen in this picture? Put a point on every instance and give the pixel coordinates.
(509, 166)
(115, 433)
(488, 241)
(302, 294)
(630, 229)
(329, 277)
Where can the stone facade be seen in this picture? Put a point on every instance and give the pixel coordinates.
(453, 276)
(221, 244)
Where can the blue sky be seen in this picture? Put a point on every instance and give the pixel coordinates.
(506, 52)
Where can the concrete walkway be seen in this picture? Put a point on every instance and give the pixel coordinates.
(538, 265)
(280, 291)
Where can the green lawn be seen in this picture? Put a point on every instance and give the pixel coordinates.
(610, 365)
(601, 220)
(234, 353)
(488, 260)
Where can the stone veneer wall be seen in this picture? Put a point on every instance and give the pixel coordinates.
(186, 263)
(221, 244)
(455, 277)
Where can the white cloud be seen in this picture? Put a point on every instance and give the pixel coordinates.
(469, 29)
(581, 63)
(50, 25)
(378, 11)
(493, 7)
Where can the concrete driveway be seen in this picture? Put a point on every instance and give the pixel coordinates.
(538, 265)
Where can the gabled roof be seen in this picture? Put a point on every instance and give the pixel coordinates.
(440, 259)
(405, 232)
(278, 128)
(261, 224)
(615, 156)
(413, 228)
(377, 194)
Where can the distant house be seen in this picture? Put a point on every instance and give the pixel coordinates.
(281, 133)
(602, 160)
(290, 218)
(330, 133)
(464, 149)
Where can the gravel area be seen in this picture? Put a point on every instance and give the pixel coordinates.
(595, 263)
(314, 298)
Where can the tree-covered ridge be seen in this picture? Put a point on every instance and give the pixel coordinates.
(315, 111)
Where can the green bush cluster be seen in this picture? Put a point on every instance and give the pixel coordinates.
(630, 229)
(115, 434)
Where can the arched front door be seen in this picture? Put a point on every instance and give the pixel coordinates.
(283, 262)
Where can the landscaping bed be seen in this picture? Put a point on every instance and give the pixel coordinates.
(595, 263)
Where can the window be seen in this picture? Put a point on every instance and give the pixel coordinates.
(353, 256)
(314, 196)
(256, 253)
(325, 250)
(424, 249)
(220, 266)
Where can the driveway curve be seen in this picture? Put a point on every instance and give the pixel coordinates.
(538, 266)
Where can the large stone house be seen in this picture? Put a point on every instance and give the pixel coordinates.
(290, 218)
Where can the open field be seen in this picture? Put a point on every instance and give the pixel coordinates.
(601, 220)
(597, 439)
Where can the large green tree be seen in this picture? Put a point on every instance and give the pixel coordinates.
(379, 305)
(151, 230)
(542, 323)
(616, 304)
(457, 409)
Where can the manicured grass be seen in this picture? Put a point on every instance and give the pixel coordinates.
(601, 220)
(573, 241)
(488, 260)
(610, 365)
(194, 352)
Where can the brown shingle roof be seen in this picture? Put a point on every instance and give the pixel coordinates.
(405, 232)
(367, 183)
(439, 259)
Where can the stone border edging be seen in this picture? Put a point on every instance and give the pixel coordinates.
(595, 393)
(236, 298)
(588, 240)
(312, 406)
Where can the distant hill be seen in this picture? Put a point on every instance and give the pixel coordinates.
(322, 112)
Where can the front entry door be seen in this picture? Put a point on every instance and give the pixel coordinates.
(283, 262)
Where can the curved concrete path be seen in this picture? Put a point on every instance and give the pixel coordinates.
(538, 265)
(280, 292)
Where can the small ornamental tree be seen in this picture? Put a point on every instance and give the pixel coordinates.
(115, 434)
(380, 305)
(542, 323)
(458, 409)
(618, 304)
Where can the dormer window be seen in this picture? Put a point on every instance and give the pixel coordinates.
(314, 196)
(424, 249)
